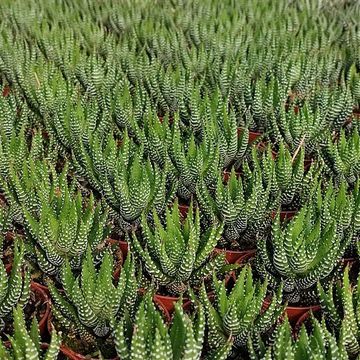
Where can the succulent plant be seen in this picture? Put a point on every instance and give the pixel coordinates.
(148, 337)
(237, 315)
(129, 183)
(341, 157)
(15, 285)
(192, 162)
(340, 304)
(285, 174)
(177, 256)
(318, 344)
(305, 127)
(92, 300)
(64, 227)
(26, 344)
(245, 207)
(302, 252)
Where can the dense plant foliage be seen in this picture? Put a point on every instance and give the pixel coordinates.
(179, 177)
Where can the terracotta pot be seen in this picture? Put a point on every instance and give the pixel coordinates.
(10, 236)
(42, 296)
(124, 247)
(44, 288)
(293, 312)
(124, 251)
(236, 256)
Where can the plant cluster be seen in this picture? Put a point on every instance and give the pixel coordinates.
(176, 177)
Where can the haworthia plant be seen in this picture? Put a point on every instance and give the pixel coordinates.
(341, 157)
(66, 225)
(26, 344)
(284, 174)
(244, 207)
(15, 285)
(239, 314)
(319, 343)
(178, 255)
(148, 337)
(192, 161)
(302, 252)
(340, 304)
(130, 183)
(93, 299)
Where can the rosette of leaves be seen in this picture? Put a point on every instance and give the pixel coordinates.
(178, 255)
(338, 204)
(15, 285)
(148, 337)
(192, 161)
(64, 227)
(340, 107)
(342, 157)
(92, 300)
(305, 127)
(130, 183)
(300, 253)
(284, 173)
(35, 181)
(26, 344)
(218, 127)
(319, 343)
(157, 139)
(340, 304)
(236, 316)
(245, 207)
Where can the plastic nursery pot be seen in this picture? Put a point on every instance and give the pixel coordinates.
(184, 209)
(303, 318)
(293, 312)
(237, 256)
(307, 163)
(42, 296)
(124, 246)
(227, 174)
(285, 214)
(168, 302)
(253, 135)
